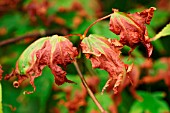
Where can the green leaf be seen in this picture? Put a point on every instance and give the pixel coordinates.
(151, 104)
(164, 32)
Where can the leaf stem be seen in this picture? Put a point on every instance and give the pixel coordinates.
(88, 89)
(85, 32)
(80, 35)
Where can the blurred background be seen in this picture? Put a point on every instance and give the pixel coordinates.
(24, 21)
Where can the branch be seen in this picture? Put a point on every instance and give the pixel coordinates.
(34, 35)
(88, 89)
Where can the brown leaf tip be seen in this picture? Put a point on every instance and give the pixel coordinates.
(150, 13)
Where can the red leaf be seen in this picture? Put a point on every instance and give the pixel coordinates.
(131, 28)
(104, 54)
(53, 52)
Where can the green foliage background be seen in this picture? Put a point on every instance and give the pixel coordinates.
(15, 21)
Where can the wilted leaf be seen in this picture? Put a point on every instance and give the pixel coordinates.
(163, 32)
(104, 54)
(131, 28)
(48, 51)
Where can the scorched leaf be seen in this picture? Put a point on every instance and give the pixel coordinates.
(131, 28)
(49, 51)
(104, 54)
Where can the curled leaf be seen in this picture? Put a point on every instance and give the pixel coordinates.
(104, 54)
(53, 52)
(131, 28)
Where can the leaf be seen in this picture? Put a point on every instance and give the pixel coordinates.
(164, 32)
(131, 28)
(48, 51)
(104, 54)
(149, 104)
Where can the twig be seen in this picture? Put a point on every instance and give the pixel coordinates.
(32, 35)
(88, 89)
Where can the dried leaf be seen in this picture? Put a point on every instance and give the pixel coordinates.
(53, 52)
(131, 28)
(104, 54)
